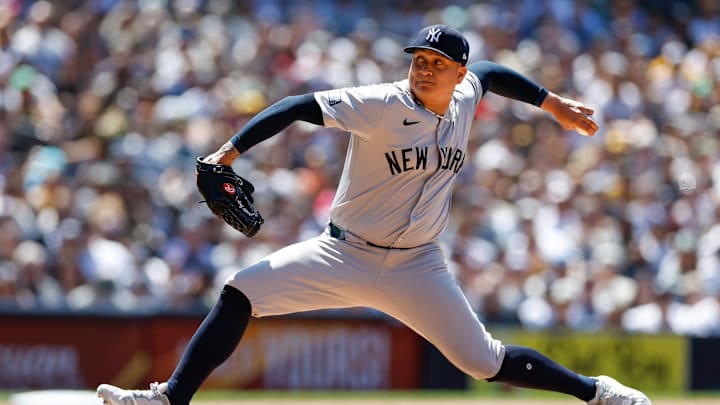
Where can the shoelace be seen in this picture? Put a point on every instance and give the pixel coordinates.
(155, 389)
(152, 394)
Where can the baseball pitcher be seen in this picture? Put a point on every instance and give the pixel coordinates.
(380, 249)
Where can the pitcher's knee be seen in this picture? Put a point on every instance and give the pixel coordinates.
(482, 371)
(483, 362)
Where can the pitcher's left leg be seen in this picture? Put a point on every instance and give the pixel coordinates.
(422, 294)
(425, 297)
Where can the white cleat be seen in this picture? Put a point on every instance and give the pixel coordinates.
(112, 395)
(611, 392)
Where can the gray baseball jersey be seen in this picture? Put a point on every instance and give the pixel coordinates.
(396, 187)
(395, 191)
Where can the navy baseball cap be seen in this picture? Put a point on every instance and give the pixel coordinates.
(444, 40)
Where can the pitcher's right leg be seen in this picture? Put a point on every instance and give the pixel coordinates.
(300, 277)
(212, 343)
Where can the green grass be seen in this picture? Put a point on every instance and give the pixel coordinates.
(303, 394)
(439, 394)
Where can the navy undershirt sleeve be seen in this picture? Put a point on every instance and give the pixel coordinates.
(508, 83)
(277, 117)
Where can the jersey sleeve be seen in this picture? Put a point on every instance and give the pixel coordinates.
(476, 86)
(354, 109)
(508, 83)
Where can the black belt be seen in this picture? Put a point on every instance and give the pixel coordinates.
(339, 233)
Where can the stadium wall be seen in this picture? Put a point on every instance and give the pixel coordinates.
(318, 353)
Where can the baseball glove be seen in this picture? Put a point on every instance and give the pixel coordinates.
(228, 196)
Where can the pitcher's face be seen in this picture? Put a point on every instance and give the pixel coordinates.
(433, 77)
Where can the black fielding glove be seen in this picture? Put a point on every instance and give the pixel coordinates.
(228, 196)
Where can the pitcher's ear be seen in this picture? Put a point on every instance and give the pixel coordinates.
(461, 74)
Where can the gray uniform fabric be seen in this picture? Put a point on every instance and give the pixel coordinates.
(396, 187)
(395, 191)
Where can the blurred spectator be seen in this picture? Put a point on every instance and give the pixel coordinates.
(105, 105)
(34, 283)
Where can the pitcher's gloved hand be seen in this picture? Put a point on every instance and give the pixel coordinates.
(228, 196)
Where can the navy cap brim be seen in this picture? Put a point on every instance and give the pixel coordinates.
(411, 49)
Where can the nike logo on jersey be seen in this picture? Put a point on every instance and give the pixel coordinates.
(406, 122)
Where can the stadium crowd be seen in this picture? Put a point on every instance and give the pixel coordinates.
(104, 106)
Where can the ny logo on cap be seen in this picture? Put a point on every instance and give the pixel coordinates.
(433, 35)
